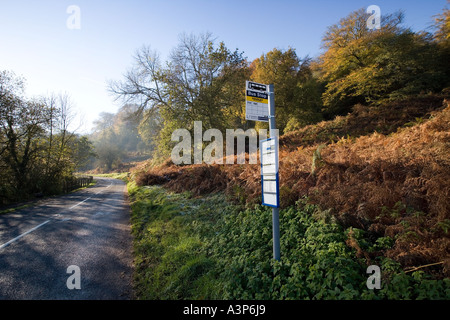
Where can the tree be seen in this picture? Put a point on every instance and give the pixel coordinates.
(442, 38)
(198, 77)
(369, 66)
(348, 49)
(108, 154)
(36, 152)
(442, 25)
(297, 93)
(198, 83)
(22, 124)
(104, 122)
(106, 141)
(83, 153)
(149, 129)
(59, 162)
(143, 83)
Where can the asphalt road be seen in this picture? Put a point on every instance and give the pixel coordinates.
(88, 229)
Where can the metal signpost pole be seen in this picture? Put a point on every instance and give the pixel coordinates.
(275, 210)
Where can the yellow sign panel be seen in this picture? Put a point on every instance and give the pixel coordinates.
(259, 100)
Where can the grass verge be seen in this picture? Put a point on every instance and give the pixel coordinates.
(121, 175)
(207, 248)
(9, 210)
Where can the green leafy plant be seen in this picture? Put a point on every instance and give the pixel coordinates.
(206, 248)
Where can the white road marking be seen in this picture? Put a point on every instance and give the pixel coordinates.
(105, 188)
(23, 234)
(79, 203)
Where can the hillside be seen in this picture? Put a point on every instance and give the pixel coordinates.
(381, 169)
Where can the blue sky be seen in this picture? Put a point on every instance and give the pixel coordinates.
(35, 42)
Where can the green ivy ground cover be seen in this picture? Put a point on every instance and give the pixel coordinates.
(188, 248)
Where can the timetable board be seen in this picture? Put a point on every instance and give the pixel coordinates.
(269, 172)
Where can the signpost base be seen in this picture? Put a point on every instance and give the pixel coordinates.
(276, 233)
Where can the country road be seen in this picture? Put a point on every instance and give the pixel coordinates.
(89, 229)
